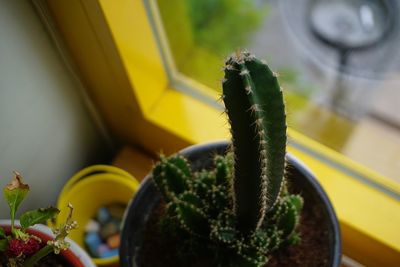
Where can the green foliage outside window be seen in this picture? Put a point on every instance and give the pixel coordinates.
(206, 31)
(221, 26)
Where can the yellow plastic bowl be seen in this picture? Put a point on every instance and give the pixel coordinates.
(90, 189)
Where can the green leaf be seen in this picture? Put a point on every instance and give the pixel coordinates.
(3, 245)
(41, 215)
(2, 233)
(14, 193)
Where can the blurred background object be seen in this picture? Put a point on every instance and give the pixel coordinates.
(353, 42)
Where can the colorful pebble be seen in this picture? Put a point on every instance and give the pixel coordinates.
(92, 226)
(110, 253)
(108, 230)
(103, 215)
(102, 236)
(102, 249)
(93, 241)
(116, 210)
(114, 241)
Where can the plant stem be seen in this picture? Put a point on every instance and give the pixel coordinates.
(46, 250)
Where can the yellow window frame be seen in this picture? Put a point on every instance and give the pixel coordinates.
(114, 47)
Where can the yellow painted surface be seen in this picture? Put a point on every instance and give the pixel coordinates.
(114, 48)
(190, 119)
(107, 84)
(346, 162)
(134, 39)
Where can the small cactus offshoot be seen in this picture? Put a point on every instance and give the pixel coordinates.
(239, 211)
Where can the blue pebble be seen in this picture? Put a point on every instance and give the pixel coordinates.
(103, 248)
(93, 241)
(109, 253)
(103, 215)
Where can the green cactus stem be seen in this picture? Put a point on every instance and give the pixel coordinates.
(254, 104)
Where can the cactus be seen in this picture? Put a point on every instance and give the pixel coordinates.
(254, 104)
(240, 210)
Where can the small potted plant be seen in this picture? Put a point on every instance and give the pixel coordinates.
(27, 243)
(244, 203)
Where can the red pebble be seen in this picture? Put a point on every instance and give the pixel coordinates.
(17, 247)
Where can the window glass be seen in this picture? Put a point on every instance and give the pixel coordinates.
(338, 63)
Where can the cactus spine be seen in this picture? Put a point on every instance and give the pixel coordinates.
(238, 227)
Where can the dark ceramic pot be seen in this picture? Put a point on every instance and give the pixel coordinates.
(200, 156)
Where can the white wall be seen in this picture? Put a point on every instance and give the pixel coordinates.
(46, 132)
